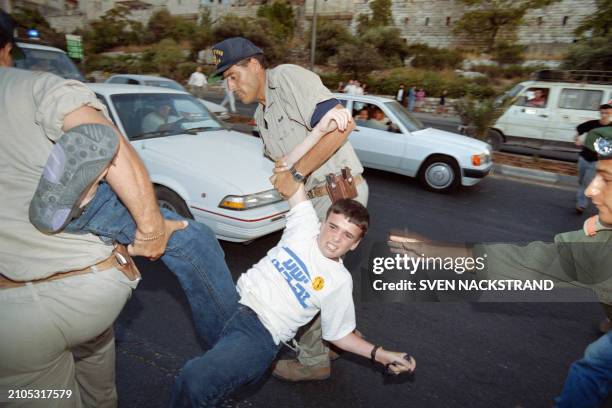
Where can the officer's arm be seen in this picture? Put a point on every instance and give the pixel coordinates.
(324, 149)
(129, 179)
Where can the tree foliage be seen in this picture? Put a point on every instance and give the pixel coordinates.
(114, 28)
(485, 20)
(590, 54)
(358, 59)
(166, 56)
(164, 25)
(380, 16)
(280, 19)
(30, 18)
(388, 42)
(599, 23)
(331, 35)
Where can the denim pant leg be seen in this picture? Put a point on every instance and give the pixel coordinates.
(590, 379)
(242, 356)
(192, 254)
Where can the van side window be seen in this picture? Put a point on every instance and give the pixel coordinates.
(583, 99)
(534, 98)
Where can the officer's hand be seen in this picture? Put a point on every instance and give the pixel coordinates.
(395, 363)
(334, 119)
(154, 248)
(280, 165)
(285, 184)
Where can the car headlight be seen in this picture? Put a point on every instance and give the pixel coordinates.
(246, 202)
(480, 159)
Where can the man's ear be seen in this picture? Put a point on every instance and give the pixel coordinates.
(6, 60)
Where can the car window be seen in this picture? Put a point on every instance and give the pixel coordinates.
(132, 81)
(584, 99)
(152, 112)
(534, 97)
(117, 80)
(370, 116)
(401, 114)
(511, 94)
(105, 103)
(55, 62)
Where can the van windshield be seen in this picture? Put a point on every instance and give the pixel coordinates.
(511, 94)
(55, 62)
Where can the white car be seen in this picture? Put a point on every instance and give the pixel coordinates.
(45, 58)
(151, 80)
(200, 169)
(388, 137)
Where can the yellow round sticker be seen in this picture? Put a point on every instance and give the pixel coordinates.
(317, 283)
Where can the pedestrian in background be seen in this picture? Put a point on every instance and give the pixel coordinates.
(411, 98)
(197, 82)
(400, 95)
(420, 100)
(441, 110)
(229, 97)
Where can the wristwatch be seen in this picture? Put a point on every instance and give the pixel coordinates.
(297, 176)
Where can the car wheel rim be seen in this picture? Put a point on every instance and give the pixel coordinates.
(439, 175)
(167, 205)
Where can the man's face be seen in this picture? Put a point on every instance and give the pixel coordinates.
(606, 116)
(338, 236)
(600, 190)
(6, 59)
(164, 110)
(244, 80)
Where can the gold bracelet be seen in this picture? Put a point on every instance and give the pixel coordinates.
(151, 237)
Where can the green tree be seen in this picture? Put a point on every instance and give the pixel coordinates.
(331, 35)
(380, 16)
(280, 17)
(590, 54)
(358, 59)
(114, 28)
(167, 55)
(485, 20)
(163, 25)
(26, 19)
(598, 23)
(203, 35)
(388, 42)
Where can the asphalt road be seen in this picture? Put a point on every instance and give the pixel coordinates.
(468, 354)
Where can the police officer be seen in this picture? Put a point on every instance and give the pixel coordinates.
(291, 101)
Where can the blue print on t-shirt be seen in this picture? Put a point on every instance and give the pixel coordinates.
(296, 274)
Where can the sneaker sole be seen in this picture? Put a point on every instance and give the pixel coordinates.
(76, 161)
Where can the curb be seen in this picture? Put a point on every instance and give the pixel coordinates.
(539, 176)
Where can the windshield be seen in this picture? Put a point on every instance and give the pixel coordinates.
(164, 84)
(511, 94)
(411, 123)
(147, 115)
(55, 62)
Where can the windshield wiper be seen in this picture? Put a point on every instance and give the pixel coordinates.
(195, 130)
(154, 133)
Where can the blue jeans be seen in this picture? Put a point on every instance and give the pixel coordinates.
(192, 254)
(586, 173)
(242, 356)
(589, 380)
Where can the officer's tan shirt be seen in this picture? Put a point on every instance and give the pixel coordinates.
(32, 109)
(292, 93)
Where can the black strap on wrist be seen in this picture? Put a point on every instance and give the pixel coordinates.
(373, 354)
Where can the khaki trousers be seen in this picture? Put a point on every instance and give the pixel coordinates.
(58, 335)
(313, 350)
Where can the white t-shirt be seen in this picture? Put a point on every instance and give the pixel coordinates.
(295, 281)
(197, 79)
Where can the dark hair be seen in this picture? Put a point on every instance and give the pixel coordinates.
(605, 106)
(353, 210)
(258, 57)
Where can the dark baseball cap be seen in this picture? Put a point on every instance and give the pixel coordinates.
(7, 29)
(231, 51)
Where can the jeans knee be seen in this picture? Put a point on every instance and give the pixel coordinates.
(600, 350)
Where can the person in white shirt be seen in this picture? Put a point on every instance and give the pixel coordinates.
(159, 119)
(197, 82)
(298, 278)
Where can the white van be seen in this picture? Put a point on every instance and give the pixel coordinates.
(546, 110)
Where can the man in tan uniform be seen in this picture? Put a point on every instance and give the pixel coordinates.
(60, 294)
(291, 101)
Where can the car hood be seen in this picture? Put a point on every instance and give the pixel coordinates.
(454, 139)
(235, 158)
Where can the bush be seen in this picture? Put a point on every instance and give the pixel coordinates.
(166, 56)
(163, 25)
(506, 54)
(358, 59)
(435, 58)
(388, 42)
(184, 70)
(331, 35)
(124, 64)
(479, 114)
(594, 54)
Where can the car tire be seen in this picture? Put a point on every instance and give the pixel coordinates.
(495, 139)
(169, 200)
(440, 174)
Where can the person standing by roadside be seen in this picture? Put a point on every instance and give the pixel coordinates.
(197, 82)
(229, 97)
(411, 98)
(420, 99)
(587, 160)
(291, 101)
(400, 95)
(441, 110)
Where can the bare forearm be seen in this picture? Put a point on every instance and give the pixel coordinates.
(354, 344)
(300, 150)
(298, 197)
(323, 150)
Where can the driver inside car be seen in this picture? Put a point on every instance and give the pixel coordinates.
(159, 119)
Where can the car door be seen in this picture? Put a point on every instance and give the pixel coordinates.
(575, 106)
(527, 118)
(374, 140)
